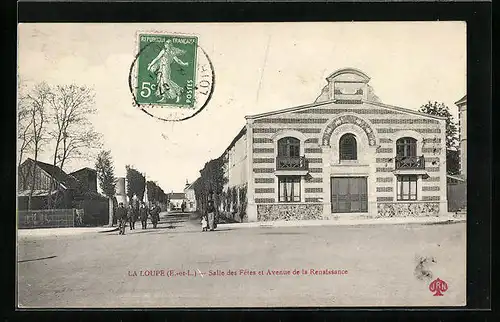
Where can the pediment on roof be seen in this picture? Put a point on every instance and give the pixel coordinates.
(348, 75)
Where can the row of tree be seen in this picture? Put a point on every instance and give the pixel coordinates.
(56, 118)
(137, 185)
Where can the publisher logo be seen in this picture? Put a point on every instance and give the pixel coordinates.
(438, 287)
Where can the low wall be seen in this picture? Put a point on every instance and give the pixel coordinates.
(407, 209)
(457, 196)
(284, 211)
(46, 218)
(96, 212)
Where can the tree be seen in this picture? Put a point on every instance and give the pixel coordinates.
(34, 107)
(211, 181)
(73, 134)
(107, 180)
(24, 128)
(136, 183)
(440, 109)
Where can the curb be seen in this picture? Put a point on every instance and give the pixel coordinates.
(341, 223)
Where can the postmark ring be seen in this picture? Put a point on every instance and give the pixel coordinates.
(168, 93)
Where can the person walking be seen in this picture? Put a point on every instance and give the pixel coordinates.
(135, 214)
(204, 223)
(121, 215)
(143, 214)
(154, 213)
(211, 213)
(130, 216)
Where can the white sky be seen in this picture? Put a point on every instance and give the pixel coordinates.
(409, 64)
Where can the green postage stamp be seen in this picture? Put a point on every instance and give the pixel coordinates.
(167, 70)
(171, 78)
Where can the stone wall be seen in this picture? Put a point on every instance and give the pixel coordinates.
(271, 212)
(407, 209)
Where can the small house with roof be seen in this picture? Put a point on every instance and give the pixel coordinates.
(175, 200)
(75, 190)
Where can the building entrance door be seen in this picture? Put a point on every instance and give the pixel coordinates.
(349, 194)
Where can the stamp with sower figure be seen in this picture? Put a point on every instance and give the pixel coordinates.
(171, 77)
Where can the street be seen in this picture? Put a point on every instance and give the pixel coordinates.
(178, 265)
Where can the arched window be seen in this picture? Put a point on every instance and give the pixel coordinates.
(347, 147)
(289, 147)
(406, 147)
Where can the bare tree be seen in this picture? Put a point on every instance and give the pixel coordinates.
(35, 103)
(24, 128)
(73, 133)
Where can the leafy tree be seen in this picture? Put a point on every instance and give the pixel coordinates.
(136, 183)
(106, 173)
(452, 162)
(211, 181)
(440, 109)
(107, 180)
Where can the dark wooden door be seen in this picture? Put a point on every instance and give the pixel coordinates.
(349, 194)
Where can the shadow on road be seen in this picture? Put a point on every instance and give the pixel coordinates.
(35, 259)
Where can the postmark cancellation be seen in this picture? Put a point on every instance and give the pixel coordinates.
(171, 77)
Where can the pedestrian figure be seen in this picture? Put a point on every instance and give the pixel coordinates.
(135, 214)
(121, 215)
(211, 213)
(204, 223)
(130, 216)
(143, 214)
(155, 215)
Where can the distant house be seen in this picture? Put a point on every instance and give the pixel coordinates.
(190, 196)
(75, 190)
(176, 199)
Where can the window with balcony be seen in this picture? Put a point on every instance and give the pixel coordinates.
(348, 147)
(289, 188)
(406, 154)
(289, 155)
(407, 188)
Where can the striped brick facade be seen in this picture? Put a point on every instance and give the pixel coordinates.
(376, 128)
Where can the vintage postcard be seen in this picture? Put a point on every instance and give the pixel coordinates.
(308, 164)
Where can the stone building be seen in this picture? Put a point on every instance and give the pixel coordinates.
(462, 125)
(346, 154)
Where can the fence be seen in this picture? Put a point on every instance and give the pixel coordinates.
(457, 196)
(49, 218)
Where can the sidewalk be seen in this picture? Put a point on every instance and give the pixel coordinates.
(349, 222)
(54, 232)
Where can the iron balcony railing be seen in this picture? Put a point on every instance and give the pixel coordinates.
(291, 163)
(413, 162)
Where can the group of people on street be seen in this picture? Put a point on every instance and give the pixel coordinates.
(134, 212)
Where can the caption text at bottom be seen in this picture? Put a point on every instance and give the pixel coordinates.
(235, 272)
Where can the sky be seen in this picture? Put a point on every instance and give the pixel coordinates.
(258, 67)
